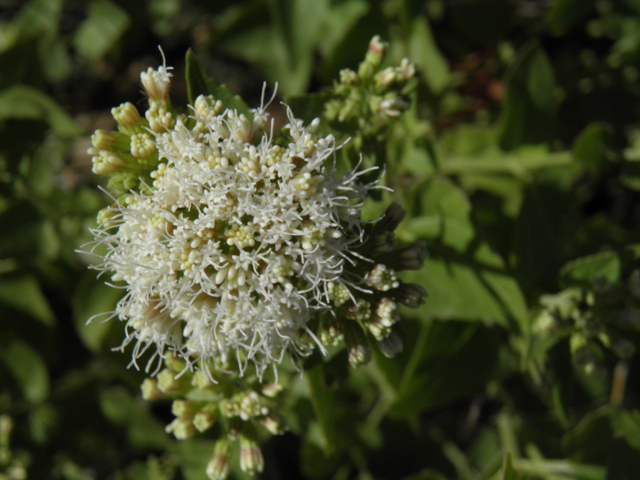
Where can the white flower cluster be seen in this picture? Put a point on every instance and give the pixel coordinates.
(240, 242)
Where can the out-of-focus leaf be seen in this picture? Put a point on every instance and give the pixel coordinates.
(199, 83)
(27, 103)
(23, 294)
(425, 53)
(630, 175)
(450, 351)
(24, 363)
(536, 255)
(283, 48)
(323, 406)
(34, 18)
(308, 107)
(626, 423)
(143, 430)
(93, 297)
(43, 420)
(590, 146)
(106, 23)
(315, 462)
(530, 99)
(563, 14)
(23, 230)
(623, 461)
(464, 277)
(194, 455)
(599, 266)
(508, 472)
(444, 215)
(426, 474)
(341, 17)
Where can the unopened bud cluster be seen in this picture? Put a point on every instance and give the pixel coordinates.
(594, 317)
(370, 96)
(229, 407)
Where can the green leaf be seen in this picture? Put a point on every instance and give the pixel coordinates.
(23, 294)
(590, 146)
(626, 424)
(105, 25)
(340, 18)
(445, 366)
(27, 367)
(563, 14)
(323, 406)
(26, 235)
(508, 472)
(599, 266)
(536, 237)
(465, 279)
(143, 430)
(27, 103)
(530, 101)
(194, 455)
(94, 297)
(444, 214)
(199, 83)
(425, 53)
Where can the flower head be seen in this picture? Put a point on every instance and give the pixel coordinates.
(238, 242)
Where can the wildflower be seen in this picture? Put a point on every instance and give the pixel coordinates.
(238, 243)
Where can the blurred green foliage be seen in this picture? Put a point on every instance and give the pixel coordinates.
(518, 161)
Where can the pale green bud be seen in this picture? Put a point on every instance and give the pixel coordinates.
(150, 390)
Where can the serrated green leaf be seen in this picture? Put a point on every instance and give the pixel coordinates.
(26, 366)
(105, 25)
(199, 83)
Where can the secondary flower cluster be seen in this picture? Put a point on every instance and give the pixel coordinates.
(234, 245)
(233, 407)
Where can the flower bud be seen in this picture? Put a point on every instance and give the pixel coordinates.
(150, 390)
(167, 381)
(272, 390)
(156, 83)
(382, 278)
(251, 460)
(408, 258)
(182, 408)
(273, 425)
(201, 380)
(218, 466)
(392, 345)
(357, 345)
(128, 118)
(203, 420)
(393, 107)
(181, 428)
